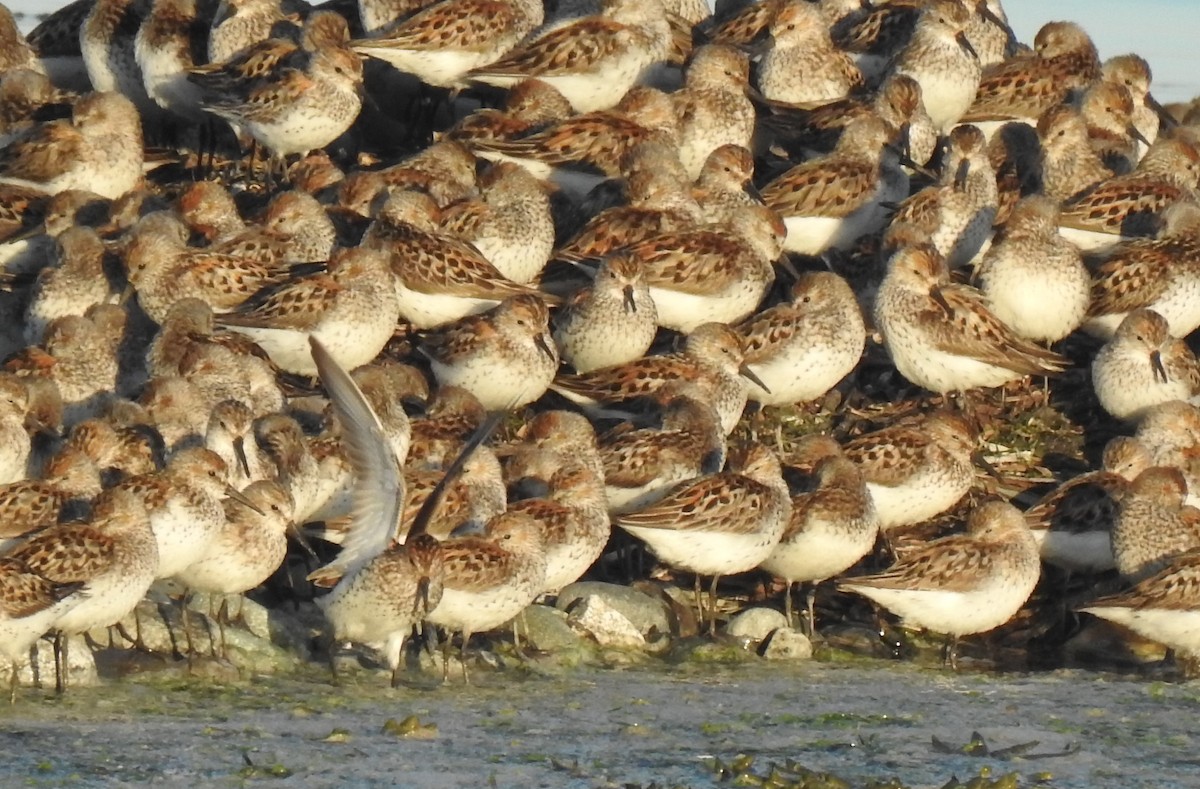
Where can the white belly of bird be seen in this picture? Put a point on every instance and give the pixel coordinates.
(819, 552)
(182, 538)
(813, 235)
(709, 553)
(957, 613)
(800, 377)
(496, 385)
(19, 634)
(519, 263)
(1090, 240)
(441, 68)
(1048, 312)
(601, 88)
(430, 310)
(299, 131)
(106, 600)
(482, 611)
(683, 312)
(920, 498)
(565, 563)
(1177, 629)
(942, 372)
(947, 96)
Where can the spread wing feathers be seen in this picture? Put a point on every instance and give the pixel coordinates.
(378, 494)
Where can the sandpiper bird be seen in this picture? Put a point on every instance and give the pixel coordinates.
(915, 472)
(490, 579)
(641, 466)
(803, 347)
(718, 524)
(962, 584)
(1164, 607)
(713, 359)
(611, 322)
(247, 549)
(1107, 109)
(714, 273)
(510, 223)
(831, 527)
(572, 516)
(99, 149)
(1133, 73)
(443, 41)
(352, 309)
(597, 140)
(897, 102)
(832, 201)
(1142, 366)
(184, 504)
(1161, 273)
(437, 278)
(304, 101)
(712, 107)
(528, 106)
(1073, 523)
(380, 588)
(565, 433)
(1021, 88)
(113, 557)
(71, 287)
(1133, 204)
(173, 38)
(942, 336)
(1153, 523)
(163, 269)
(959, 210)
(941, 59)
(1028, 249)
(592, 61)
(800, 44)
(107, 44)
(505, 356)
(29, 606)
(1070, 166)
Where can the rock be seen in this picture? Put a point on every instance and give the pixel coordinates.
(606, 624)
(755, 624)
(788, 644)
(705, 650)
(648, 615)
(547, 630)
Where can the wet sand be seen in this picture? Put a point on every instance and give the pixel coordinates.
(595, 728)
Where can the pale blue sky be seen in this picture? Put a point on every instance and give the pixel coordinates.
(1164, 32)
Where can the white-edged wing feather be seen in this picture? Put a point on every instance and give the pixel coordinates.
(378, 493)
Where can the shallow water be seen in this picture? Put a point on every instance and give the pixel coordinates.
(589, 728)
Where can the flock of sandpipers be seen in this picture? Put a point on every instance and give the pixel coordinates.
(773, 187)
